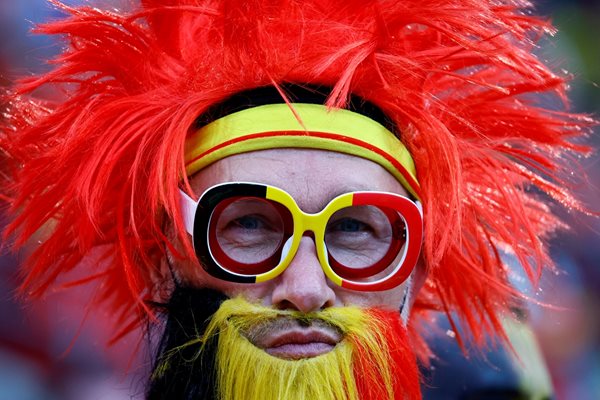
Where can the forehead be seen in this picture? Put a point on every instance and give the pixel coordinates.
(312, 177)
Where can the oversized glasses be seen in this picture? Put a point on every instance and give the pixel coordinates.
(250, 232)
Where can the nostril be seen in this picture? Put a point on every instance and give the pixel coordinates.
(330, 302)
(285, 305)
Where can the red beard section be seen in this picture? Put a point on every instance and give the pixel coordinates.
(402, 359)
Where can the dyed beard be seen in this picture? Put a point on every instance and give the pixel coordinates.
(204, 354)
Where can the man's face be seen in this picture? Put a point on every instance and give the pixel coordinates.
(297, 335)
(313, 178)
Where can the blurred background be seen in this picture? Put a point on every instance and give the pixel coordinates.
(47, 353)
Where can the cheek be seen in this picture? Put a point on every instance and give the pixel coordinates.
(191, 274)
(387, 300)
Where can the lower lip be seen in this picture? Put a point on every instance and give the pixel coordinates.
(297, 351)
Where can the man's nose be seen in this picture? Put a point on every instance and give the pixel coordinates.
(303, 285)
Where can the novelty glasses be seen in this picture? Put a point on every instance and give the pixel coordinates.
(250, 232)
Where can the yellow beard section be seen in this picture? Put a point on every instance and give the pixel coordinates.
(246, 372)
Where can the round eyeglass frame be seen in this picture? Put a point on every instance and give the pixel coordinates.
(197, 218)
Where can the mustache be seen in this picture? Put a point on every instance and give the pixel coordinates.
(288, 322)
(242, 314)
(260, 320)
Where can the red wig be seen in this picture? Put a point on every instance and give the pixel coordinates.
(101, 167)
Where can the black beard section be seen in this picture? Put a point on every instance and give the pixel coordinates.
(188, 375)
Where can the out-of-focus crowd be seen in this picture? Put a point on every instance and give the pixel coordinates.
(47, 353)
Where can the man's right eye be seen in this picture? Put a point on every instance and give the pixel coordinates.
(249, 222)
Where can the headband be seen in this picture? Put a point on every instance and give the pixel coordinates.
(299, 125)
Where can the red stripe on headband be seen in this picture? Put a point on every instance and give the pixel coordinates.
(325, 135)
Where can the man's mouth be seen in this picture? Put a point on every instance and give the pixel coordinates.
(297, 343)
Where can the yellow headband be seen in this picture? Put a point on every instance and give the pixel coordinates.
(314, 127)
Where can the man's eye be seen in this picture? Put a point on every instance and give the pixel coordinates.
(249, 222)
(349, 225)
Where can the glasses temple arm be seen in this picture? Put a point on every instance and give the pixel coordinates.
(188, 211)
(419, 206)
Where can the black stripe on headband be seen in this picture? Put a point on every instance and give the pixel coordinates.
(297, 94)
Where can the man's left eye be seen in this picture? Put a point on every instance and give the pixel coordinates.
(349, 225)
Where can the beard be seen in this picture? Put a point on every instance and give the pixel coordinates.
(222, 349)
